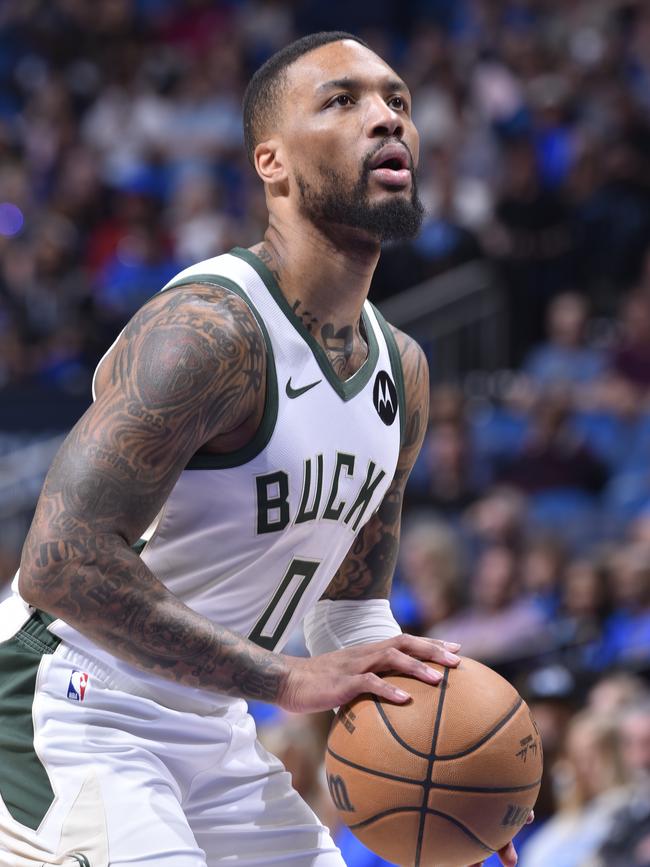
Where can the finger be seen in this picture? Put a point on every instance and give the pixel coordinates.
(508, 855)
(531, 817)
(426, 648)
(376, 685)
(448, 645)
(392, 659)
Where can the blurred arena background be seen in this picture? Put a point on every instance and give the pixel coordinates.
(527, 524)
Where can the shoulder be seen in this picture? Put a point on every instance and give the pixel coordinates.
(208, 309)
(197, 341)
(206, 321)
(414, 361)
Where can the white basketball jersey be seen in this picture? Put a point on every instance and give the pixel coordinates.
(252, 539)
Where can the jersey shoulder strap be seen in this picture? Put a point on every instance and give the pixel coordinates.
(396, 366)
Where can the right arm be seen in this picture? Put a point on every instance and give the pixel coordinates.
(188, 369)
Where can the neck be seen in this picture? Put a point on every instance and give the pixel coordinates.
(325, 277)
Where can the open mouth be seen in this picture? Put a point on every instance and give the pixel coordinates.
(394, 164)
(391, 166)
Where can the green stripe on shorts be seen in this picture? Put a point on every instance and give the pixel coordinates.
(24, 784)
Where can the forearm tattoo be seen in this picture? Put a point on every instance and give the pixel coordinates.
(190, 366)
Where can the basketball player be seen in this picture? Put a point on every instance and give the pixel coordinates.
(254, 426)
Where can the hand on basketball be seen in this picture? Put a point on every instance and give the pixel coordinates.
(508, 855)
(330, 680)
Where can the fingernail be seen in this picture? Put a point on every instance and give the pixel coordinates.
(401, 694)
(451, 657)
(452, 645)
(432, 675)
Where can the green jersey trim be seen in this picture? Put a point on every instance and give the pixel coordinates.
(266, 427)
(24, 783)
(398, 372)
(346, 389)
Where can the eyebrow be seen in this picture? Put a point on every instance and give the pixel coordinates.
(392, 84)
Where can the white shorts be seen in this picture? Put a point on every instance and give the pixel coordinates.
(94, 774)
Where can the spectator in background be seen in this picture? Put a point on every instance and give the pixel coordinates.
(430, 572)
(497, 518)
(558, 470)
(566, 358)
(589, 781)
(198, 224)
(444, 479)
(628, 842)
(584, 605)
(630, 358)
(554, 456)
(542, 568)
(627, 629)
(616, 691)
(498, 624)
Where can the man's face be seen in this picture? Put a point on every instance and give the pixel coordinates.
(350, 143)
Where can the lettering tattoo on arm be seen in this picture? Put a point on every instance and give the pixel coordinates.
(367, 571)
(191, 365)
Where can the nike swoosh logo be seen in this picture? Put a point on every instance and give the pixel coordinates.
(296, 392)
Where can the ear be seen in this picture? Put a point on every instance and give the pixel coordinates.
(269, 162)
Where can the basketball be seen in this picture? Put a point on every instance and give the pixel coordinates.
(443, 780)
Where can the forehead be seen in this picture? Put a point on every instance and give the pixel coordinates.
(335, 61)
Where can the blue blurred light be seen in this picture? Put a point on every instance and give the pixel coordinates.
(11, 219)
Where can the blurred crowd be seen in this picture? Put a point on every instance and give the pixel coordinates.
(121, 157)
(527, 517)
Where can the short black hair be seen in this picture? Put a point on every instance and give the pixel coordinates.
(262, 95)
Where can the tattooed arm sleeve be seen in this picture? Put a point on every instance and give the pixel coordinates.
(367, 571)
(189, 367)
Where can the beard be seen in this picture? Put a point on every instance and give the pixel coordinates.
(336, 203)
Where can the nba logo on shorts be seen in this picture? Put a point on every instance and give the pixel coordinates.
(77, 685)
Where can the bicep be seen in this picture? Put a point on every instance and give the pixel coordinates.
(113, 472)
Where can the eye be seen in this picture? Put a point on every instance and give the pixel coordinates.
(342, 99)
(398, 103)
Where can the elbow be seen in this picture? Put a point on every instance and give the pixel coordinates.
(28, 589)
(36, 576)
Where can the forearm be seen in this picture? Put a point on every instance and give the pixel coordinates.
(101, 587)
(333, 624)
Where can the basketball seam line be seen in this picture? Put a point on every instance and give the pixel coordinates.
(506, 719)
(432, 757)
(448, 757)
(427, 812)
(478, 790)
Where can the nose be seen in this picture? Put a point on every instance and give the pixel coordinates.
(383, 121)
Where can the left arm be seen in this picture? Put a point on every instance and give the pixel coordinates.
(354, 610)
(367, 571)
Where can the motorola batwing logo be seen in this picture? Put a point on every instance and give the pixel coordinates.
(384, 396)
